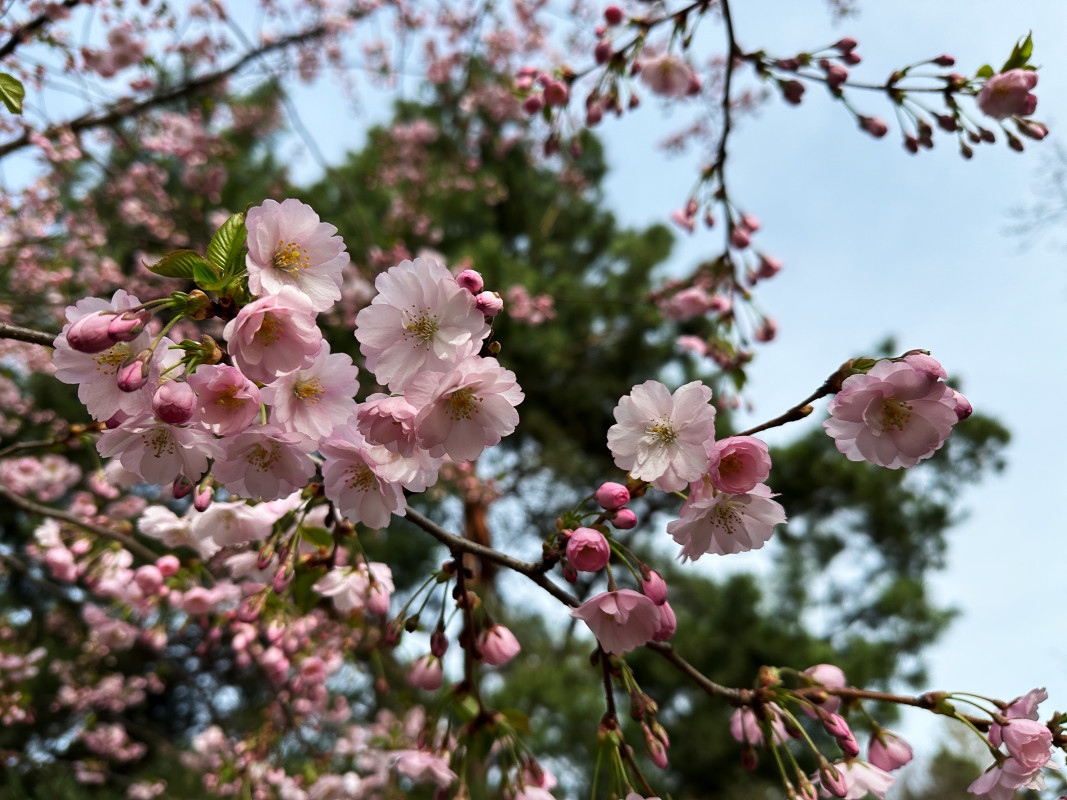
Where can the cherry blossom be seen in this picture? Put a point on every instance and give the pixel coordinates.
(315, 399)
(465, 410)
(352, 478)
(1007, 94)
(860, 779)
(289, 246)
(264, 463)
(659, 437)
(228, 400)
(274, 335)
(621, 620)
(895, 416)
(421, 319)
(159, 452)
(738, 463)
(713, 522)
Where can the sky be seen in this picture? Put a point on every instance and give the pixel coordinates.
(877, 242)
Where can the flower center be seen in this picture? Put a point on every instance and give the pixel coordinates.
(308, 390)
(360, 477)
(269, 331)
(895, 413)
(109, 360)
(663, 431)
(158, 441)
(227, 398)
(730, 464)
(726, 516)
(421, 327)
(290, 257)
(263, 458)
(463, 404)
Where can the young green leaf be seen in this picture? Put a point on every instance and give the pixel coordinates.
(11, 92)
(179, 264)
(224, 251)
(984, 71)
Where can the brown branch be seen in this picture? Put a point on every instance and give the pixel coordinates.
(21, 34)
(20, 334)
(31, 507)
(531, 569)
(124, 109)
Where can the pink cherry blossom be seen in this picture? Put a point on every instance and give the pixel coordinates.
(745, 726)
(738, 463)
(174, 402)
(353, 479)
(832, 677)
(351, 588)
(421, 319)
(289, 246)
(1007, 94)
(228, 400)
(232, 523)
(422, 766)
(611, 495)
(426, 673)
(888, 751)
(667, 75)
(264, 463)
(498, 645)
(389, 421)
(659, 437)
(316, 398)
(588, 550)
(96, 373)
(465, 410)
(157, 452)
(894, 416)
(712, 522)
(274, 335)
(859, 779)
(620, 620)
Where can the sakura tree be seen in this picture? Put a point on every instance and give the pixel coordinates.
(274, 494)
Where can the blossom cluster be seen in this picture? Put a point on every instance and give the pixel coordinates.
(251, 422)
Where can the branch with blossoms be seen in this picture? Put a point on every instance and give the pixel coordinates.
(257, 429)
(657, 51)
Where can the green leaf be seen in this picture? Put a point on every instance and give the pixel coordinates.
(1020, 54)
(206, 277)
(225, 249)
(304, 597)
(984, 71)
(179, 264)
(11, 92)
(320, 537)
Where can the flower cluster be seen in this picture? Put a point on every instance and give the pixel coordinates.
(250, 421)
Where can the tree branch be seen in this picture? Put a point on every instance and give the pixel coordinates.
(31, 507)
(21, 34)
(29, 335)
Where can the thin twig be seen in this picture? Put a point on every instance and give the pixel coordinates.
(31, 507)
(21, 34)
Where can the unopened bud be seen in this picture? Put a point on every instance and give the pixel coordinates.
(944, 61)
(613, 15)
(127, 327)
(603, 51)
(845, 45)
(202, 498)
(133, 375)
(89, 334)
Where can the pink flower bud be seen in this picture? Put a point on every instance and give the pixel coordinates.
(874, 126)
(768, 267)
(498, 645)
(1031, 129)
(134, 374)
(834, 780)
(963, 407)
(489, 304)
(624, 519)
(378, 599)
(471, 280)
(835, 73)
(749, 758)
(181, 487)
(89, 333)
(851, 58)
(174, 402)
(740, 238)
(438, 643)
(127, 327)
(202, 498)
(168, 565)
(588, 550)
(792, 91)
(657, 753)
(613, 15)
(845, 45)
(944, 61)
(655, 588)
(603, 51)
(593, 115)
(888, 751)
(556, 94)
(426, 673)
(282, 578)
(533, 104)
(612, 495)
